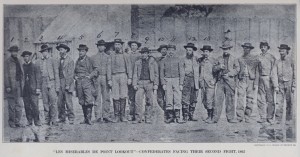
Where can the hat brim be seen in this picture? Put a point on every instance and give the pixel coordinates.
(206, 49)
(287, 48)
(159, 49)
(67, 48)
(48, 48)
(119, 42)
(229, 47)
(251, 47)
(23, 55)
(138, 43)
(10, 50)
(194, 48)
(83, 49)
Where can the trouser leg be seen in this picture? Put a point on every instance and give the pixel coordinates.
(219, 101)
(69, 106)
(35, 109)
(61, 104)
(52, 104)
(279, 105)
(289, 103)
(249, 99)
(105, 99)
(28, 109)
(229, 102)
(241, 93)
(149, 102)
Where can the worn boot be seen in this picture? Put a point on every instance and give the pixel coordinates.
(116, 105)
(211, 115)
(185, 115)
(191, 114)
(122, 110)
(208, 116)
(177, 115)
(89, 115)
(170, 116)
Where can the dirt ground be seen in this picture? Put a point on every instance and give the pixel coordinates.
(158, 132)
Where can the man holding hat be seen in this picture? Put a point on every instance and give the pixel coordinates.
(226, 69)
(207, 82)
(85, 74)
(134, 56)
(13, 86)
(103, 63)
(190, 83)
(285, 84)
(247, 82)
(66, 76)
(50, 84)
(265, 99)
(31, 90)
(121, 71)
(145, 82)
(172, 76)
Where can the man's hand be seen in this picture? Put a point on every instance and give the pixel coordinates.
(37, 91)
(8, 90)
(164, 87)
(135, 87)
(129, 81)
(276, 89)
(155, 87)
(222, 66)
(109, 83)
(180, 87)
(293, 89)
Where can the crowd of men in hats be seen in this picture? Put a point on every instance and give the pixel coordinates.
(137, 74)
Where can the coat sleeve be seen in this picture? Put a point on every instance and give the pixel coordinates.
(70, 75)
(236, 68)
(128, 66)
(294, 74)
(256, 79)
(38, 76)
(108, 69)
(181, 72)
(274, 75)
(6, 76)
(156, 72)
(94, 70)
(162, 72)
(55, 64)
(135, 73)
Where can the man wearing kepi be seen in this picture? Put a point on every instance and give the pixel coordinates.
(13, 86)
(226, 70)
(265, 102)
(31, 90)
(85, 74)
(66, 76)
(121, 71)
(247, 83)
(134, 56)
(207, 81)
(50, 84)
(190, 83)
(172, 75)
(285, 85)
(145, 81)
(103, 63)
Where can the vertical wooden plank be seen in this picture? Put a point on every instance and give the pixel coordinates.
(230, 31)
(264, 29)
(6, 36)
(242, 34)
(254, 35)
(216, 27)
(179, 36)
(192, 32)
(274, 34)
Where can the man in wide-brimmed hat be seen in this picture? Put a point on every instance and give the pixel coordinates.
(145, 82)
(31, 90)
(171, 76)
(50, 84)
(66, 76)
(13, 86)
(121, 71)
(285, 84)
(265, 99)
(134, 56)
(225, 69)
(190, 83)
(85, 75)
(247, 83)
(207, 81)
(103, 63)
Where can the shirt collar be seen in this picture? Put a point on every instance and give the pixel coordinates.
(27, 63)
(81, 59)
(43, 58)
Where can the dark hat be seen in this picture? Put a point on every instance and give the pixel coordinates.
(63, 46)
(45, 47)
(118, 41)
(226, 45)
(24, 53)
(191, 45)
(248, 45)
(13, 48)
(161, 47)
(82, 47)
(145, 50)
(284, 46)
(206, 47)
(264, 43)
(138, 43)
(101, 42)
(172, 46)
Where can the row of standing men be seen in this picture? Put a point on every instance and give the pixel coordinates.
(137, 73)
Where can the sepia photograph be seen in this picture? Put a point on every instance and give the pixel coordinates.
(149, 73)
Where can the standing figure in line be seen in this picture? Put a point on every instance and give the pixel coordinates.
(265, 102)
(172, 76)
(190, 83)
(247, 82)
(145, 82)
(85, 74)
(207, 82)
(13, 87)
(226, 70)
(66, 76)
(134, 56)
(121, 71)
(50, 84)
(103, 63)
(31, 90)
(285, 84)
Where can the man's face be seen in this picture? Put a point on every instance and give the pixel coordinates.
(206, 53)
(101, 48)
(134, 46)
(164, 51)
(82, 53)
(45, 53)
(226, 51)
(145, 55)
(246, 50)
(171, 51)
(264, 48)
(62, 52)
(14, 54)
(189, 51)
(283, 52)
(118, 47)
(26, 58)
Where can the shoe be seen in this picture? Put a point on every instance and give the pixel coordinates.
(247, 121)
(148, 121)
(29, 124)
(12, 125)
(232, 121)
(240, 120)
(53, 124)
(288, 122)
(62, 121)
(71, 122)
(263, 120)
(19, 125)
(37, 123)
(83, 122)
(270, 121)
(191, 118)
(89, 122)
(107, 120)
(99, 120)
